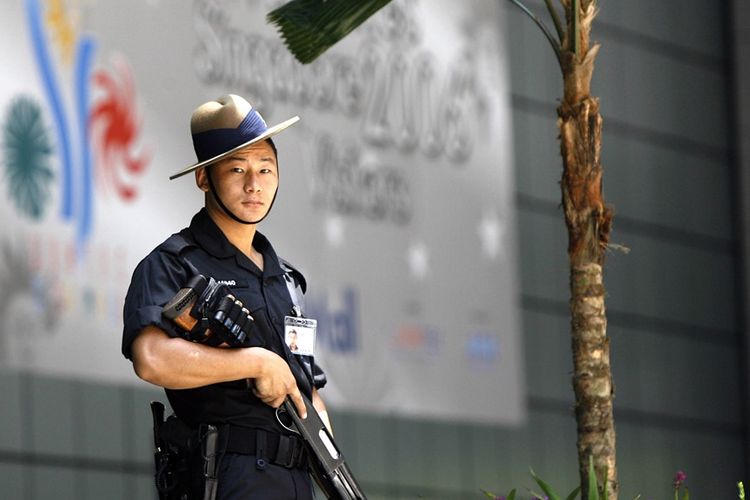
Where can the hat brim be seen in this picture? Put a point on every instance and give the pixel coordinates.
(271, 131)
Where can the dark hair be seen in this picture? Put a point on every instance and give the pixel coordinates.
(273, 146)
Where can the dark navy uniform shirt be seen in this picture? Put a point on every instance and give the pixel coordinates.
(203, 248)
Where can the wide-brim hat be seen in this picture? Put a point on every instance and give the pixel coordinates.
(222, 127)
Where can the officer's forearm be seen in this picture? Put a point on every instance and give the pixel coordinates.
(175, 363)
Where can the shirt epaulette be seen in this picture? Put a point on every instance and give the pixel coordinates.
(296, 274)
(178, 242)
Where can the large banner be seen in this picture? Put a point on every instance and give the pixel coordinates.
(395, 198)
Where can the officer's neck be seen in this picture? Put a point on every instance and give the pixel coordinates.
(239, 235)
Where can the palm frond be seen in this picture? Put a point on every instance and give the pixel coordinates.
(310, 27)
(555, 45)
(555, 20)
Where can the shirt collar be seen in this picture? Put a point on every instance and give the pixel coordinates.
(210, 237)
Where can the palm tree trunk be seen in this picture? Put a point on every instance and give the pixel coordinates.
(588, 220)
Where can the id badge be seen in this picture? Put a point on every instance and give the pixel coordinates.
(299, 335)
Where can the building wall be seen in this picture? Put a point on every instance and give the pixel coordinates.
(673, 307)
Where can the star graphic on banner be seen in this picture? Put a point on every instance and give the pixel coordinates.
(334, 230)
(490, 231)
(418, 259)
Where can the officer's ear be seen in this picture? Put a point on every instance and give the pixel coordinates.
(201, 179)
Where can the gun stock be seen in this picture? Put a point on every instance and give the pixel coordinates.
(178, 309)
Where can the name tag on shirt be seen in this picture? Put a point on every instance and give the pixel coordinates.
(299, 335)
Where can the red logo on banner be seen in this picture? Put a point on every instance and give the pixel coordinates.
(115, 128)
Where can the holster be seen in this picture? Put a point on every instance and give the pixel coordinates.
(210, 452)
(186, 459)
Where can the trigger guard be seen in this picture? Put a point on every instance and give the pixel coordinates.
(279, 411)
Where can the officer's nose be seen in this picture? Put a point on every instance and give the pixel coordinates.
(252, 183)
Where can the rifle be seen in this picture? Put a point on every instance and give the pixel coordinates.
(328, 467)
(188, 310)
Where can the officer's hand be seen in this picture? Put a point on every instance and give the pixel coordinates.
(223, 319)
(276, 382)
(230, 321)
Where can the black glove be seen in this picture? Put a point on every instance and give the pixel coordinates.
(222, 318)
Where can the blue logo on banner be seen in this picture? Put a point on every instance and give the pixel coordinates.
(73, 190)
(483, 347)
(337, 329)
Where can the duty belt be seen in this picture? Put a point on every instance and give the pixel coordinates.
(279, 449)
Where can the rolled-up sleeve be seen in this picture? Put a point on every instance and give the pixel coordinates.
(155, 281)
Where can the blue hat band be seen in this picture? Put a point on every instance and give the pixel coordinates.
(212, 143)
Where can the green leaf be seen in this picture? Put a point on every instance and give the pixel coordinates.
(574, 493)
(544, 486)
(509, 496)
(310, 27)
(593, 487)
(555, 19)
(686, 494)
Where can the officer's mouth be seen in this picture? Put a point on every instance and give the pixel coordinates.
(253, 203)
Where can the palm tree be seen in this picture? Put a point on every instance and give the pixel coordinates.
(309, 27)
(589, 221)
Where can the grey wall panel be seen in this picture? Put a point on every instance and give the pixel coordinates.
(142, 486)
(543, 254)
(694, 24)
(549, 362)
(670, 281)
(13, 480)
(109, 485)
(452, 457)
(638, 87)
(537, 150)
(658, 93)
(12, 414)
(372, 449)
(668, 375)
(646, 183)
(686, 379)
(551, 438)
(102, 413)
(491, 457)
(414, 453)
(649, 457)
(56, 482)
(658, 279)
(54, 417)
(667, 187)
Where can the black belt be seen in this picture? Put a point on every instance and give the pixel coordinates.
(279, 449)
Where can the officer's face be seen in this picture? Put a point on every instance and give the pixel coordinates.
(246, 182)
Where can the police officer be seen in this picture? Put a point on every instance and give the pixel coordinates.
(236, 389)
